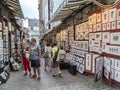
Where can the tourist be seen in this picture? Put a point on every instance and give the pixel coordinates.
(35, 55)
(47, 55)
(56, 59)
(25, 58)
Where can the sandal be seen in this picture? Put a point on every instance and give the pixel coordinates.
(34, 76)
(38, 79)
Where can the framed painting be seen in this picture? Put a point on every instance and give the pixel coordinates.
(106, 37)
(88, 63)
(118, 24)
(98, 68)
(112, 14)
(115, 38)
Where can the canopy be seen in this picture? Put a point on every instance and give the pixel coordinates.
(65, 9)
(14, 5)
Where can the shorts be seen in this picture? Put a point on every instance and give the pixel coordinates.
(47, 60)
(55, 64)
(35, 63)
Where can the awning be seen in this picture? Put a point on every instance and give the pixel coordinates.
(14, 5)
(66, 8)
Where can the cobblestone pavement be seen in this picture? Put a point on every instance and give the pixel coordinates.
(79, 82)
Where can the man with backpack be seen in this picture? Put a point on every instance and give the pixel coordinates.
(56, 59)
(35, 55)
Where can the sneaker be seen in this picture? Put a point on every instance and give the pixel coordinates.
(38, 79)
(30, 75)
(54, 75)
(25, 74)
(34, 76)
(60, 75)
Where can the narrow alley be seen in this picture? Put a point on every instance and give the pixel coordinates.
(79, 82)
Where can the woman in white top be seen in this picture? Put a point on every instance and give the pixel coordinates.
(47, 54)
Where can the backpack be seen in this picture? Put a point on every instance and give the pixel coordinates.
(55, 56)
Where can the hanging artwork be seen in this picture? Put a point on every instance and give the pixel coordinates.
(97, 49)
(107, 64)
(112, 14)
(105, 16)
(117, 64)
(113, 24)
(98, 68)
(98, 36)
(91, 36)
(108, 26)
(118, 14)
(104, 27)
(88, 63)
(105, 37)
(96, 43)
(99, 17)
(117, 76)
(94, 28)
(115, 38)
(118, 24)
(99, 27)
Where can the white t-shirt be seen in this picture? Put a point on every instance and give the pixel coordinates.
(49, 49)
(62, 52)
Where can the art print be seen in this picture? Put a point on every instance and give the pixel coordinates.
(104, 26)
(115, 38)
(98, 36)
(118, 14)
(107, 64)
(112, 15)
(113, 24)
(90, 20)
(96, 43)
(99, 17)
(117, 76)
(90, 28)
(81, 68)
(86, 35)
(118, 24)
(108, 26)
(99, 27)
(106, 37)
(94, 28)
(97, 49)
(98, 68)
(88, 63)
(105, 16)
(94, 18)
(117, 64)
(91, 36)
